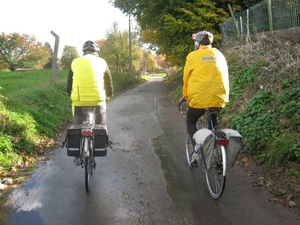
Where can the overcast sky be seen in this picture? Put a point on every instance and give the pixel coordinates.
(75, 21)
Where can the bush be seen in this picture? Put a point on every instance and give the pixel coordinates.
(265, 99)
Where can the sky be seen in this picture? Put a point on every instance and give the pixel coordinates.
(74, 21)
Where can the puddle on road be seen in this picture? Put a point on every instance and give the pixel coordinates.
(166, 151)
(25, 200)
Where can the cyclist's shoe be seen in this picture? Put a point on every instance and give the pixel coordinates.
(76, 161)
(195, 160)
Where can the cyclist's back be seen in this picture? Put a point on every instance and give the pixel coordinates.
(205, 80)
(89, 83)
(88, 86)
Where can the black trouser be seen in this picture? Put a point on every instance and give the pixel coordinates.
(192, 117)
(100, 114)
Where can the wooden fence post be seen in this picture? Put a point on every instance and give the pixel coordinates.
(54, 69)
(247, 26)
(270, 16)
(234, 23)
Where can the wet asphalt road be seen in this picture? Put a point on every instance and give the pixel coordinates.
(144, 179)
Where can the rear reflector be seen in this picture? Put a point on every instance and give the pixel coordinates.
(222, 141)
(87, 132)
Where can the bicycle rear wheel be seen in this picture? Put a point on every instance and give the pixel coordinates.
(87, 166)
(216, 173)
(92, 159)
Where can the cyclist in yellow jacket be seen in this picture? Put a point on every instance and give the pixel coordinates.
(89, 83)
(205, 80)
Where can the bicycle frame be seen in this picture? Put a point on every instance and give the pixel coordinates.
(87, 132)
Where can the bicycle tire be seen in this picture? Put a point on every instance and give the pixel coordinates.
(91, 156)
(86, 173)
(88, 166)
(216, 173)
(189, 150)
(91, 167)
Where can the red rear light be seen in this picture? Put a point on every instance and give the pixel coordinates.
(222, 141)
(87, 132)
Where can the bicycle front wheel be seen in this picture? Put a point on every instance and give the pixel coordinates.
(189, 150)
(216, 173)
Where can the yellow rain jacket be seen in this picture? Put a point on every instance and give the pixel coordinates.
(205, 78)
(88, 86)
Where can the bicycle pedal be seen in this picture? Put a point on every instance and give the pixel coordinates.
(195, 164)
(76, 161)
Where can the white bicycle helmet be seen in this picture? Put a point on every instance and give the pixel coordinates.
(90, 46)
(200, 37)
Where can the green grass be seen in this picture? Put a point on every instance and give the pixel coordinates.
(32, 112)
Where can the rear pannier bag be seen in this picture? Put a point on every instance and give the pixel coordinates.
(100, 140)
(73, 140)
(204, 139)
(234, 146)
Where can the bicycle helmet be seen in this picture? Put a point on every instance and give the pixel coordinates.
(90, 46)
(203, 38)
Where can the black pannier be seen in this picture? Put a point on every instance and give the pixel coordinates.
(100, 140)
(73, 140)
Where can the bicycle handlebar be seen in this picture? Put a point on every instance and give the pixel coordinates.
(213, 110)
(209, 111)
(180, 103)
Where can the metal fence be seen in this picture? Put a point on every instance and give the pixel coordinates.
(266, 16)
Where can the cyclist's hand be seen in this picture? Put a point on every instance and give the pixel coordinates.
(181, 101)
(184, 99)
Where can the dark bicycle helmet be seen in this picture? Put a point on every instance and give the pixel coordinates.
(203, 38)
(90, 46)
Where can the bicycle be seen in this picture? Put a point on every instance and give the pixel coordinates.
(82, 143)
(209, 153)
(87, 156)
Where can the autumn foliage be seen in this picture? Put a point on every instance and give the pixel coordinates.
(22, 51)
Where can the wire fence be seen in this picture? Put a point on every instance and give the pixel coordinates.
(266, 16)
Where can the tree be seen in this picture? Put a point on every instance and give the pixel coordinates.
(49, 64)
(69, 53)
(148, 63)
(22, 51)
(236, 5)
(115, 50)
(161, 61)
(168, 25)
